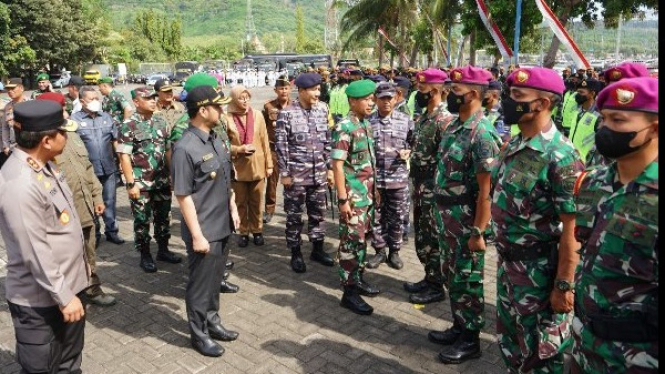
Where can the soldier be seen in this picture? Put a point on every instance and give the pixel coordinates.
(492, 104)
(534, 218)
(391, 133)
(72, 102)
(87, 192)
(585, 124)
(43, 85)
(326, 86)
(427, 134)
(270, 112)
(353, 166)
(170, 109)
(615, 328)
(303, 154)
(15, 92)
(114, 103)
(403, 85)
(462, 193)
(46, 268)
(140, 147)
(202, 174)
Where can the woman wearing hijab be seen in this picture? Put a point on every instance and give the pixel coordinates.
(250, 152)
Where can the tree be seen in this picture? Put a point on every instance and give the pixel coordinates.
(14, 49)
(301, 39)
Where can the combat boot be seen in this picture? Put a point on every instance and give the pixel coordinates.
(365, 288)
(415, 287)
(433, 293)
(446, 337)
(467, 346)
(297, 262)
(379, 258)
(164, 254)
(352, 301)
(393, 259)
(319, 255)
(147, 263)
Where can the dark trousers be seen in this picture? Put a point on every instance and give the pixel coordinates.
(3, 158)
(44, 342)
(108, 195)
(206, 272)
(271, 185)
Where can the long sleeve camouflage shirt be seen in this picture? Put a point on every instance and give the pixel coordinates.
(391, 134)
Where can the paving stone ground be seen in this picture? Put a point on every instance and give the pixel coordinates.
(288, 322)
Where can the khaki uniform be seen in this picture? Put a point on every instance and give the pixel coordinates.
(171, 114)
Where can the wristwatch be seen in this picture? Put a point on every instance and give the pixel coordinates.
(341, 201)
(563, 285)
(476, 231)
(130, 185)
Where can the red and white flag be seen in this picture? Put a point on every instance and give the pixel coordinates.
(562, 35)
(505, 51)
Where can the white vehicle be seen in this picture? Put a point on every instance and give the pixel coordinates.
(152, 79)
(62, 80)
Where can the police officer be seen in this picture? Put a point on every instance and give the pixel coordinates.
(46, 268)
(427, 134)
(140, 147)
(43, 85)
(270, 112)
(114, 103)
(353, 166)
(391, 132)
(202, 173)
(615, 327)
(534, 218)
(466, 151)
(584, 125)
(303, 154)
(15, 91)
(403, 86)
(339, 104)
(168, 108)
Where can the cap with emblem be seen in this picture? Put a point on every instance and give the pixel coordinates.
(39, 115)
(360, 88)
(282, 81)
(200, 79)
(377, 78)
(143, 93)
(107, 80)
(591, 85)
(402, 82)
(42, 77)
(385, 89)
(163, 85)
(202, 96)
(307, 80)
(13, 82)
(471, 75)
(76, 81)
(625, 70)
(432, 75)
(495, 85)
(631, 94)
(59, 98)
(541, 79)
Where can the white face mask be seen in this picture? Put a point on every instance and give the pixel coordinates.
(94, 106)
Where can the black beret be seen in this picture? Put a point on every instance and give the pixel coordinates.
(77, 81)
(495, 85)
(307, 80)
(402, 82)
(39, 115)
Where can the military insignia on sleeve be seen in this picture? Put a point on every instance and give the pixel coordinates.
(207, 157)
(522, 76)
(64, 217)
(624, 97)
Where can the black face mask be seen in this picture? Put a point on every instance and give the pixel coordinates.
(616, 144)
(580, 99)
(423, 98)
(514, 110)
(486, 102)
(455, 102)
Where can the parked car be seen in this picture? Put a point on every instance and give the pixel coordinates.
(118, 78)
(92, 76)
(60, 81)
(152, 79)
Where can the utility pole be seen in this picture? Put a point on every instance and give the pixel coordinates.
(616, 51)
(250, 29)
(518, 20)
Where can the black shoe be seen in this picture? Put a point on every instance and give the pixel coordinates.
(147, 263)
(226, 275)
(229, 265)
(258, 239)
(352, 301)
(297, 262)
(431, 294)
(267, 217)
(416, 287)
(319, 255)
(226, 287)
(367, 289)
(405, 237)
(207, 347)
(114, 238)
(164, 254)
(379, 258)
(394, 261)
(243, 241)
(218, 332)
(466, 347)
(446, 337)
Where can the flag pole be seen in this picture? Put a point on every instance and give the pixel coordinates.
(518, 19)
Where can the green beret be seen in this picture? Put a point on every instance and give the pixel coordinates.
(42, 77)
(360, 88)
(108, 80)
(200, 79)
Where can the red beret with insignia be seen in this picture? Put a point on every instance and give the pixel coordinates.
(625, 70)
(632, 94)
(471, 75)
(541, 79)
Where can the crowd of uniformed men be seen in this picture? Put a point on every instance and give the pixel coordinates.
(560, 173)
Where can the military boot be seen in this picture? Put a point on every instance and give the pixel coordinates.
(297, 262)
(448, 336)
(433, 293)
(164, 254)
(467, 346)
(415, 287)
(147, 263)
(379, 258)
(365, 288)
(393, 259)
(352, 301)
(319, 255)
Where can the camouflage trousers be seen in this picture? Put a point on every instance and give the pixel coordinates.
(599, 356)
(151, 205)
(532, 338)
(389, 218)
(424, 224)
(352, 248)
(463, 270)
(314, 197)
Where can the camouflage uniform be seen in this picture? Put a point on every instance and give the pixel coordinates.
(466, 149)
(353, 144)
(615, 328)
(302, 144)
(533, 182)
(114, 104)
(35, 94)
(390, 134)
(427, 134)
(145, 142)
(270, 112)
(595, 159)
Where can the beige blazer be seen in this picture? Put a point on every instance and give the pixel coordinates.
(255, 166)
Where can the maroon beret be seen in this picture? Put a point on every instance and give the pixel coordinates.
(541, 79)
(625, 70)
(471, 75)
(633, 94)
(53, 96)
(432, 76)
